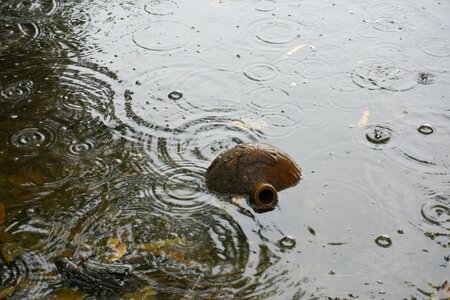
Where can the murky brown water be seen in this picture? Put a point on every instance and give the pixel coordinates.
(101, 160)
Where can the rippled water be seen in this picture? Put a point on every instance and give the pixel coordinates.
(111, 112)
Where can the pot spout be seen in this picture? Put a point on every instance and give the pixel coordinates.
(264, 196)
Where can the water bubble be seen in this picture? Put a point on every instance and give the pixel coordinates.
(378, 135)
(287, 242)
(425, 129)
(383, 241)
(175, 95)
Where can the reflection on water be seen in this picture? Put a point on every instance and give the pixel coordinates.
(111, 112)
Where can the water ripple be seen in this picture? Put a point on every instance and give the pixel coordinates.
(164, 36)
(342, 18)
(420, 152)
(210, 241)
(387, 50)
(261, 72)
(396, 16)
(161, 7)
(381, 74)
(314, 69)
(74, 104)
(80, 148)
(265, 5)
(378, 136)
(208, 90)
(28, 9)
(346, 94)
(433, 215)
(274, 32)
(19, 36)
(33, 138)
(180, 189)
(437, 212)
(315, 118)
(146, 115)
(343, 83)
(68, 38)
(26, 266)
(86, 91)
(17, 91)
(38, 280)
(48, 171)
(353, 209)
(435, 47)
(331, 52)
(206, 138)
(275, 114)
(420, 22)
(367, 31)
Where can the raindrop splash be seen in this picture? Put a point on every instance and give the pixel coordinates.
(175, 95)
(378, 134)
(287, 243)
(425, 129)
(383, 241)
(425, 78)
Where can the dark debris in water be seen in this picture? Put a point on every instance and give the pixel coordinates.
(311, 230)
(92, 275)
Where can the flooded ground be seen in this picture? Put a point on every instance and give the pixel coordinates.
(112, 111)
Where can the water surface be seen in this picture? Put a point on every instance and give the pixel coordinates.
(112, 111)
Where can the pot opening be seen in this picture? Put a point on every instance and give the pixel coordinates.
(266, 196)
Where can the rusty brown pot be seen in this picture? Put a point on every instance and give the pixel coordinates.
(257, 169)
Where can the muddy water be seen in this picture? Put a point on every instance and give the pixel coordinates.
(112, 111)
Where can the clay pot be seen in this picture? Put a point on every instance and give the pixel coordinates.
(257, 169)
